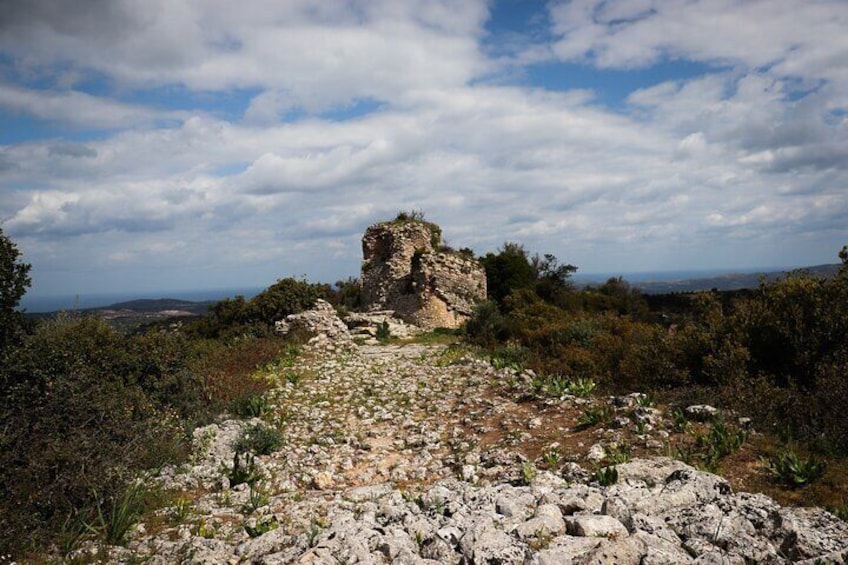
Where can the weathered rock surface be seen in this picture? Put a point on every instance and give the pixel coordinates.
(377, 442)
(406, 269)
(321, 322)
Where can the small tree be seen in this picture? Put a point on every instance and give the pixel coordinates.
(507, 271)
(14, 281)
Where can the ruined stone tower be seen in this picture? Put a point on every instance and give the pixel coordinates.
(406, 269)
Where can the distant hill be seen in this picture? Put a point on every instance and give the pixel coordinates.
(132, 314)
(158, 305)
(730, 281)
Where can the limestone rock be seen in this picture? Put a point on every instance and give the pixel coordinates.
(595, 526)
(701, 412)
(321, 321)
(407, 270)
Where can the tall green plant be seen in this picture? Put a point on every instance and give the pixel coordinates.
(14, 282)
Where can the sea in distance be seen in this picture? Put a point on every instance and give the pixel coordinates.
(37, 303)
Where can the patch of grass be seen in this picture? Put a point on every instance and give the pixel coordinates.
(438, 336)
(679, 420)
(557, 385)
(841, 511)
(256, 499)
(452, 355)
(205, 530)
(315, 527)
(722, 439)
(645, 400)
(71, 533)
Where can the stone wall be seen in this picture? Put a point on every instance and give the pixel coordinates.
(406, 270)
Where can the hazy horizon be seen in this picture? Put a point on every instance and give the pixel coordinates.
(39, 303)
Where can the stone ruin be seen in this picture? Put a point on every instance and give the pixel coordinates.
(407, 269)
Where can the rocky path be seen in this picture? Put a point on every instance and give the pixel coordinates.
(423, 454)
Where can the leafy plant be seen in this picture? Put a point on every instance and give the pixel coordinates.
(792, 471)
(645, 400)
(679, 419)
(115, 516)
(551, 458)
(841, 511)
(710, 448)
(256, 499)
(581, 387)
(383, 333)
(594, 415)
(618, 453)
(722, 440)
(261, 526)
(71, 533)
(410, 216)
(181, 509)
(528, 473)
(314, 531)
(292, 377)
(250, 406)
(244, 470)
(510, 356)
(607, 476)
(553, 385)
(205, 530)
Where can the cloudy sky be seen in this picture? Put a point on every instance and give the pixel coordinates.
(182, 144)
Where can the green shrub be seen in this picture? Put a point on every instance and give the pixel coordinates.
(14, 281)
(260, 439)
(80, 413)
(235, 318)
(486, 326)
